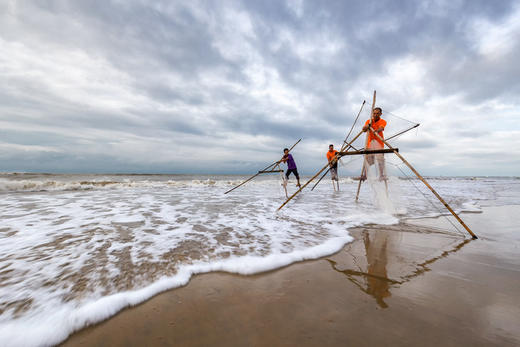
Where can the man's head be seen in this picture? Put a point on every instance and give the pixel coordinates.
(331, 147)
(377, 113)
(285, 150)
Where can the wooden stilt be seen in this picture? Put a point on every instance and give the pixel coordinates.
(385, 177)
(363, 173)
(284, 180)
(427, 185)
(365, 168)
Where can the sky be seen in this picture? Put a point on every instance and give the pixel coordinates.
(223, 86)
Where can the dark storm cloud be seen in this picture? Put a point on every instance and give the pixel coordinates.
(88, 81)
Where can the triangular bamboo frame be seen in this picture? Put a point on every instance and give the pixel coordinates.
(396, 152)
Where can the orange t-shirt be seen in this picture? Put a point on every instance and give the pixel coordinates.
(331, 155)
(381, 123)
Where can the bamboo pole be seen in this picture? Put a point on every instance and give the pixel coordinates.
(372, 151)
(344, 146)
(270, 171)
(363, 172)
(323, 176)
(352, 127)
(404, 131)
(250, 178)
(259, 172)
(364, 169)
(427, 185)
(313, 177)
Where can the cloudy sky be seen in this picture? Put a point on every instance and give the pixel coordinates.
(223, 86)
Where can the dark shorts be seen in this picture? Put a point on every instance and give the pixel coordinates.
(294, 171)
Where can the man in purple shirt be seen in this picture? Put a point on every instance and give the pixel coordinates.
(291, 165)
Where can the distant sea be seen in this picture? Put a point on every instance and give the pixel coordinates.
(76, 249)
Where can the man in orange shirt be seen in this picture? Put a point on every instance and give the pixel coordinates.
(378, 124)
(333, 165)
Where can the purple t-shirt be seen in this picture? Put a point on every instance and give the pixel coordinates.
(290, 162)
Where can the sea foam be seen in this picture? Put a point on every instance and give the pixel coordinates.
(72, 257)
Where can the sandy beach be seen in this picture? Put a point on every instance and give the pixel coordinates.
(408, 284)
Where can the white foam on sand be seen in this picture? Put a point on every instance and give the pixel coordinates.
(55, 325)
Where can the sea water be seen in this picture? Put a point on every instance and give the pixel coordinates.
(76, 249)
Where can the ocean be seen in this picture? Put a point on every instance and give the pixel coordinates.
(76, 249)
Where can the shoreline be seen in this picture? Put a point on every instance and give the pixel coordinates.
(404, 284)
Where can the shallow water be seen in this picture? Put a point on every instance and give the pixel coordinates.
(77, 248)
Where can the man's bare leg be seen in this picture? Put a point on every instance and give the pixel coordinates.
(381, 164)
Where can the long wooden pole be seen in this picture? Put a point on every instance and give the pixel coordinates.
(364, 151)
(250, 178)
(344, 146)
(399, 133)
(427, 185)
(352, 127)
(323, 176)
(364, 169)
(259, 172)
(404, 131)
(316, 175)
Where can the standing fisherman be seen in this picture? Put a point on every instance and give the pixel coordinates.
(291, 165)
(378, 124)
(333, 163)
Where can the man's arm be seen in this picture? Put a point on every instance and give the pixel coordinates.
(378, 130)
(381, 127)
(331, 160)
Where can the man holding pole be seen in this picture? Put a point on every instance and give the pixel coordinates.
(378, 125)
(333, 164)
(291, 166)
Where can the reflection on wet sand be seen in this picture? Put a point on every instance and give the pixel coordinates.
(368, 265)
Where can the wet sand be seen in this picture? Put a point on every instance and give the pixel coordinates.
(411, 284)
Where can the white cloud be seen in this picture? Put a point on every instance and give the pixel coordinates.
(70, 75)
(11, 147)
(495, 39)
